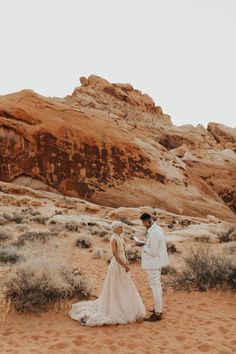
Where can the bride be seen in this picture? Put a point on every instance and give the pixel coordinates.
(119, 301)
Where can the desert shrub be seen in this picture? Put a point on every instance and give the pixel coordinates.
(41, 280)
(204, 270)
(170, 226)
(230, 248)
(33, 236)
(18, 218)
(71, 226)
(102, 253)
(83, 242)
(202, 238)
(232, 236)
(228, 235)
(133, 254)
(224, 238)
(168, 270)
(2, 220)
(40, 219)
(8, 216)
(35, 212)
(106, 238)
(9, 254)
(171, 248)
(5, 234)
(103, 233)
(95, 230)
(127, 221)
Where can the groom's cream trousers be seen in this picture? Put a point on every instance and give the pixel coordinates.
(154, 280)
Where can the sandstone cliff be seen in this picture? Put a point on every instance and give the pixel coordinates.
(110, 144)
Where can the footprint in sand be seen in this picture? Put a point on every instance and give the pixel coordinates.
(205, 348)
(58, 346)
(223, 330)
(180, 338)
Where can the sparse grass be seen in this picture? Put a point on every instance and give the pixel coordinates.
(41, 280)
(106, 238)
(71, 226)
(18, 218)
(202, 238)
(2, 220)
(5, 234)
(102, 253)
(204, 270)
(127, 221)
(95, 230)
(9, 254)
(83, 242)
(224, 238)
(230, 248)
(40, 219)
(133, 254)
(168, 270)
(8, 216)
(103, 233)
(229, 235)
(171, 247)
(33, 236)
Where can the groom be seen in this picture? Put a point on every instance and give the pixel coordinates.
(154, 257)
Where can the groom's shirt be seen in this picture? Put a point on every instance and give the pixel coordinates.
(154, 253)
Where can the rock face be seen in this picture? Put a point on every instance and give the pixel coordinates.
(110, 144)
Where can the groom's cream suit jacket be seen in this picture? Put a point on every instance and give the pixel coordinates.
(154, 253)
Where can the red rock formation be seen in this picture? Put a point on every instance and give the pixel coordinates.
(111, 144)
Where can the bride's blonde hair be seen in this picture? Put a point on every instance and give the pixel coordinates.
(116, 224)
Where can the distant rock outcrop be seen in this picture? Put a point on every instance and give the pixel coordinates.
(110, 143)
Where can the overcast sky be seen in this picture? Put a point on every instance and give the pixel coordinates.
(181, 52)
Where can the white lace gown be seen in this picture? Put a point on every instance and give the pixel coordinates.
(119, 301)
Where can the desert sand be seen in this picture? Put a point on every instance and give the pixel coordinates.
(192, 323)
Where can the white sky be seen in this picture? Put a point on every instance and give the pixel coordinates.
(181, 52)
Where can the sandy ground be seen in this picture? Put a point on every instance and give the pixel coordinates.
(193, 323)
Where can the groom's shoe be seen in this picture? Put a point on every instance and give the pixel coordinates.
(153, 310)
(153, 318)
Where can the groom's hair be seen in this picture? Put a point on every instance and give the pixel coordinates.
(145, 216)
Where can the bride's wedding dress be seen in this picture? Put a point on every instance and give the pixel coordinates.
(119, 301)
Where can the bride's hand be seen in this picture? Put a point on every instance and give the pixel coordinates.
(127, 268)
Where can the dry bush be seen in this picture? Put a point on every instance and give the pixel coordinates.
(168, 270)
(229, 235)
(33, 236)
(40, 219)
(127, 221)
(71, 226)
(18, 218)
(83, 242)
(8, 216)
(41, 280)
(5, 234)
(9, 254)
(102, 253)
(106, 238)
(103, 233)
(204, 270)
(202, 238)
(2, 220)
(133, 254)
(95, 230)
(171, 247)
(230, 248)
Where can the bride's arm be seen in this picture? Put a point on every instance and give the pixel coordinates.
(117, 257)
